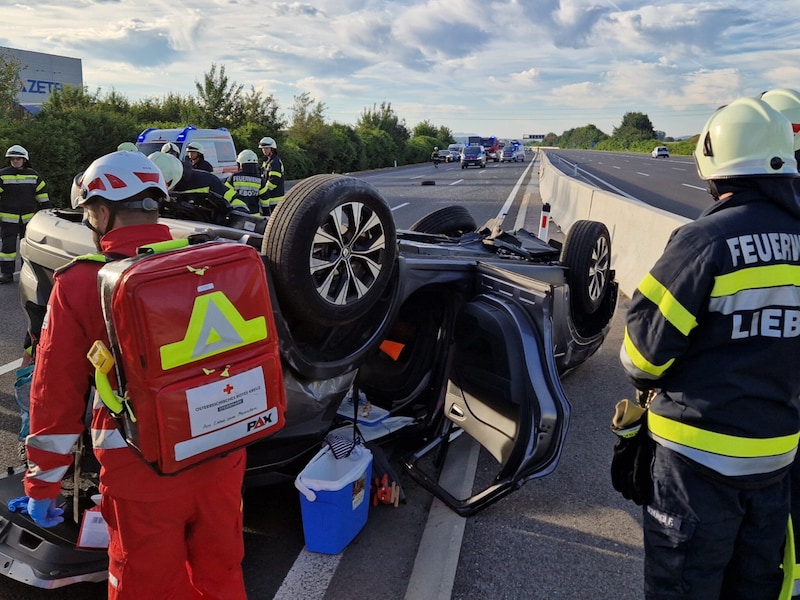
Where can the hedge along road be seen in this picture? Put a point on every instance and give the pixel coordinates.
(567, 535)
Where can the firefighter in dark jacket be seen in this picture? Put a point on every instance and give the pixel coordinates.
(22, 194)
(247, 183)
(714, 328)
(195, 154)
(272, 171)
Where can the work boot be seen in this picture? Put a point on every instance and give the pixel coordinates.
(6, 278)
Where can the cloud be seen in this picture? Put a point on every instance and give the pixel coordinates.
(295, 9)
(132, 44)
(465, 64)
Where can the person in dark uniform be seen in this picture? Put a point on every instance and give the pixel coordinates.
(273, 173)
(22, 193)
(714, 329)
(194, 150)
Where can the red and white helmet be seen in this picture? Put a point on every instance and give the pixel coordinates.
(119, 177)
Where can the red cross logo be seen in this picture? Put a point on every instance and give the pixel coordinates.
(228, 389)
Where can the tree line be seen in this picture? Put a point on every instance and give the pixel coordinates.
(634, 134)
(75, 126)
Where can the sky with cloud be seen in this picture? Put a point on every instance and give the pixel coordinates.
(492, 67)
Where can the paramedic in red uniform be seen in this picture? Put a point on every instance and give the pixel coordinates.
(171, 537)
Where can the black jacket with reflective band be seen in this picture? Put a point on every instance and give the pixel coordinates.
(715, 325)
(22, 192)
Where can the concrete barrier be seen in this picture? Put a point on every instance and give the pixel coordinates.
(638, 232)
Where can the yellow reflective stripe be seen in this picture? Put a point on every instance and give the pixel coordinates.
(673, 311)
(247, 184)
(755, 277)
(17, 179)
(164, 246)
(215, 326)
(93, 257)
(640, 362)
(275, 174)
(720, 443)
(8, 255)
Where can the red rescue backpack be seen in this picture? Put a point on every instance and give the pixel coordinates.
(195, 349)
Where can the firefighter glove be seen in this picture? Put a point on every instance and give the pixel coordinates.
(633, 453)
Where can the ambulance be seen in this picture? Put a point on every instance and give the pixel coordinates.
(218, 147)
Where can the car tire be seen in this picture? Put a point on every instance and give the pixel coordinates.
(587, 256)
(331, 247)
(453, 221)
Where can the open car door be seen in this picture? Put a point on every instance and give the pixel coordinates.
(504, 391)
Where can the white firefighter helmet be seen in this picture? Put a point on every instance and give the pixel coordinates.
(17, 151)
(267, 142)
(745, 138)
(170, 166)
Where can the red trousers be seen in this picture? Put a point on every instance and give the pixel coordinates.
(183, 548)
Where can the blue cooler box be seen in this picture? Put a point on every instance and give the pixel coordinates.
(334, 498)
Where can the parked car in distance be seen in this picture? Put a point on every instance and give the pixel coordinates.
(455, 151)
(660, 151)
(473, 155)
(445, 156)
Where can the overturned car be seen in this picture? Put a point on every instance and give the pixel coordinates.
(447, 328)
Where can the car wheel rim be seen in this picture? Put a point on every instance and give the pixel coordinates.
(598, 268)
(347, 253)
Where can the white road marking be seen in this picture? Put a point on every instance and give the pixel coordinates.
(456, 181)
(694, 187)
(643, 174)
(309, 576)
(14, 364)
(510, 200)
(401, 205)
